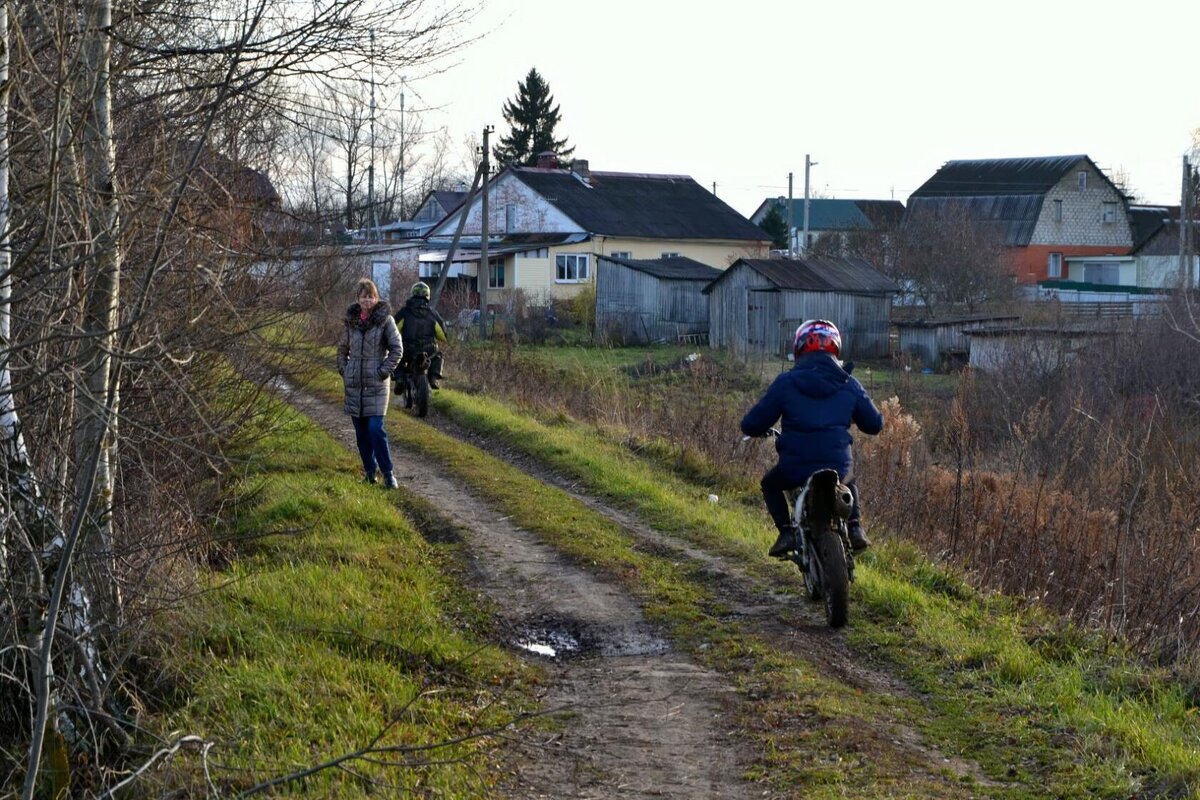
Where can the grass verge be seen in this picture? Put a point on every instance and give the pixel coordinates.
(336, 627)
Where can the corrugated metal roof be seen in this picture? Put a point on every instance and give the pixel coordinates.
(644, 206)
(826, 214)
(818, 274)
(1145, 222)
(963, 320)
(674, 268)
(1013, 216)
(1000, 176)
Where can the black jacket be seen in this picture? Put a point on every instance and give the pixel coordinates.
(420, 326)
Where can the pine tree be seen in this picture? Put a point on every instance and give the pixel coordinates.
(775, 226)
(532, 118)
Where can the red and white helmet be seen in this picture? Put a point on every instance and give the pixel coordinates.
(817, 336)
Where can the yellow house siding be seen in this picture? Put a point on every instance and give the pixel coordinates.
(536, 277)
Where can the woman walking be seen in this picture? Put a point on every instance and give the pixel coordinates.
(367, 353)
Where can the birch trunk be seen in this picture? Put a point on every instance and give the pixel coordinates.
(96, 426)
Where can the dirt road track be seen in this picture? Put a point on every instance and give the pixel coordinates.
(639, 719)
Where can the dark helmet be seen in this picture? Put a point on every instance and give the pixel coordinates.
(817, 336)
(420, 289)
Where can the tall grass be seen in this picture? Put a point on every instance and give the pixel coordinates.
(1079, 490)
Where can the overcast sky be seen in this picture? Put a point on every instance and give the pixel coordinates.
(881, 93)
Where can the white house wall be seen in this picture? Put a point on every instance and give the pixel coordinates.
(531, 213)
(1162, 272)
(1082, 213)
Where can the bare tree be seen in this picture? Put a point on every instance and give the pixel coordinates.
(131, 215)
(949, 257)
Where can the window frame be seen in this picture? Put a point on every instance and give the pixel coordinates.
(496, 274)
(1108, 213)
(1083, 179)
(1054, 265)
(671, 254)
(561, 270)
(628, 254)
(1058, 207)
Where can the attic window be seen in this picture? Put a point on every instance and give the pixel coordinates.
(670, 254)
(1082, 179)
(1109, 214)
(1058, 210)
(621, 254)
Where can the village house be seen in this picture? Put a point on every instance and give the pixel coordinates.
(1046, 211)
(548, 226)
(834, 223)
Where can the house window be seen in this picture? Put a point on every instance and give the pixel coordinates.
(495, 274)
(571, 268)
(1109, 214)
(510, 217)
(1058, 210)
(1082, 180)
(621, 254)
(1054, 266)
(671, 254)
(1105, 274)
(541, 252)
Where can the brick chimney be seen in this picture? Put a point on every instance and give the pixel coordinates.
(580, 167)
(547, 159)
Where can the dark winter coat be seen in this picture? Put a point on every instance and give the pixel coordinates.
(420, 326)
(366, 355)
(818, 401)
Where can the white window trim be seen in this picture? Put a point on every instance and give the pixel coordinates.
(621, 254)
(1083, 179)
(587, 266)
(1058, 205)
(1106, 209)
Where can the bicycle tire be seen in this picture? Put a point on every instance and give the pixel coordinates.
(421, 395)
(834, 576)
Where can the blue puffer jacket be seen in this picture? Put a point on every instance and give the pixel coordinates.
(818, 401)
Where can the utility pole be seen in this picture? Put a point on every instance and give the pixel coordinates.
(791, 230)
(403, 152)
(714, 187)
(1185, 212)
(485, 271)
(373, 228)
(808, 165)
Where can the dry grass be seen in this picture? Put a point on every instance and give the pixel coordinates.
(1080, 491)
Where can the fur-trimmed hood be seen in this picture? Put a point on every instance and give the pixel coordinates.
(378, 314)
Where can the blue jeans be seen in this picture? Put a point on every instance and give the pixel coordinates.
(372, 444)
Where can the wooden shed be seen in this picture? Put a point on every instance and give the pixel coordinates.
(756, 304)
(652, 300)
(1040, 350)
(940, 342)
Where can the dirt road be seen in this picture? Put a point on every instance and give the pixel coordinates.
(639, 718)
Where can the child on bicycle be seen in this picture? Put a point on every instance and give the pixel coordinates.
(818, 400)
